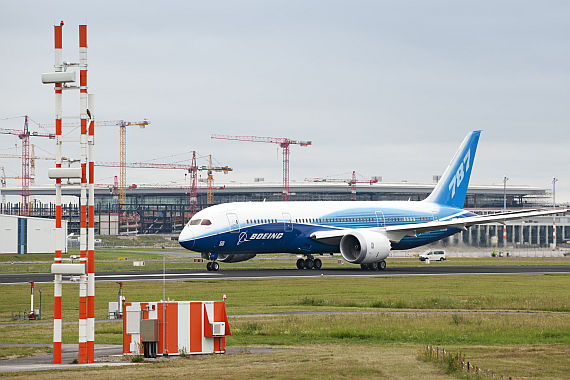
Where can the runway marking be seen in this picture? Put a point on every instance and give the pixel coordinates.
(156, 275)
(230, 276)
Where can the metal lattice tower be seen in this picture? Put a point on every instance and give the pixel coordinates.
(210, 181)
(123, 160)
(193, 185)
(25, 167)
(25, 135)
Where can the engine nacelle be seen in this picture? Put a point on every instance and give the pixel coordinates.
(364, 247)
(235, 257)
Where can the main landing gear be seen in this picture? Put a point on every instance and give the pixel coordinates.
(374, 266)
(212, 266)
(309, 263)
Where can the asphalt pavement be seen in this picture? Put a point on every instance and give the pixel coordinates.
(353, 271)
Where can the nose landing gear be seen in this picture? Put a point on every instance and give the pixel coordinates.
(309, 263)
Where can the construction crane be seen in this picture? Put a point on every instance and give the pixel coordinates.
(3, 183)
(351, 182)
(192, 169)
(115, 191)
(33, 159)
(25, 135)
(122, 124)
(283, 143)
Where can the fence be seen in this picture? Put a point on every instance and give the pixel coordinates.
(457, 362)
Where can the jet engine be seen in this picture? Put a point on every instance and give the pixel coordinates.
(364, 247)
(235, 257)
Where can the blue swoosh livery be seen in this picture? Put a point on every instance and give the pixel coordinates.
(363, 232)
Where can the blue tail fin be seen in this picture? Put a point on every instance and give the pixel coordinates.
(452, 187)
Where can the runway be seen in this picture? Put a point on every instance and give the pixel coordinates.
(353, 272)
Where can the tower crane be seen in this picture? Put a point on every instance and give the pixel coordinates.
(115, 191)
(33, 159)
(192, 169)
(122, 124)
(284, 143)
(351, 182)
(25, 135)
(3, 183)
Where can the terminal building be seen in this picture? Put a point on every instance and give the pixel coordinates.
(165, 209)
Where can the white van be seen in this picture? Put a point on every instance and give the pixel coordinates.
(433, 256)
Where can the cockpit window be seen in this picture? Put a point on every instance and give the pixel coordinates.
(195, 222)
(206, 222)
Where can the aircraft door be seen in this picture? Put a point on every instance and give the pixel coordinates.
(380, 222)
(233, 221)
(287, 224)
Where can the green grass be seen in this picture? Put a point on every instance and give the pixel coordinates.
(440, 329)
(111, 259)
(138, 241)
(481, 292)
(356, 335)
(150, 248)
(488, 329)
(8, 352)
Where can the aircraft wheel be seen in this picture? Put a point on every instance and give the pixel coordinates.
(364, 266)
(209, 266)
(373, 266)
(318, 264)
(215, 266)
(300, 263)
(382, 265)
(309, 264)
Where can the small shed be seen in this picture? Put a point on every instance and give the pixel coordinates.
(175, 327)
(24, 234)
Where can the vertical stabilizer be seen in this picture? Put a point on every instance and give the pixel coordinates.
(452, 187)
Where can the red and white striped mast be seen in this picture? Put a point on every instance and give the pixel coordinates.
(85, 268)
(83, 198)
(57, 284)
(91, 240)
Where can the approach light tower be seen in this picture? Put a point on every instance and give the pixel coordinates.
(283, 143)
(62, 78)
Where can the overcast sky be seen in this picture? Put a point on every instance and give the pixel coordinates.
(386, 88)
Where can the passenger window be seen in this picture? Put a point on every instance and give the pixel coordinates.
(206, 222)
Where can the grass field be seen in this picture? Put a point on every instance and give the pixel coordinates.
(516, 325)
(505, 342)
(490, 292)
(114, 259)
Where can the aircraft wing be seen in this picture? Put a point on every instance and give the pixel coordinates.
(396, 233)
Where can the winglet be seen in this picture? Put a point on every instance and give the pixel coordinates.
(452, 187)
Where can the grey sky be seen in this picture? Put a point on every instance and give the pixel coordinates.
(386, 88)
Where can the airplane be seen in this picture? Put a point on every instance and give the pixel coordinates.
(364, 232)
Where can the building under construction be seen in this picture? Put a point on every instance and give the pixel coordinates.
(149, 210)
